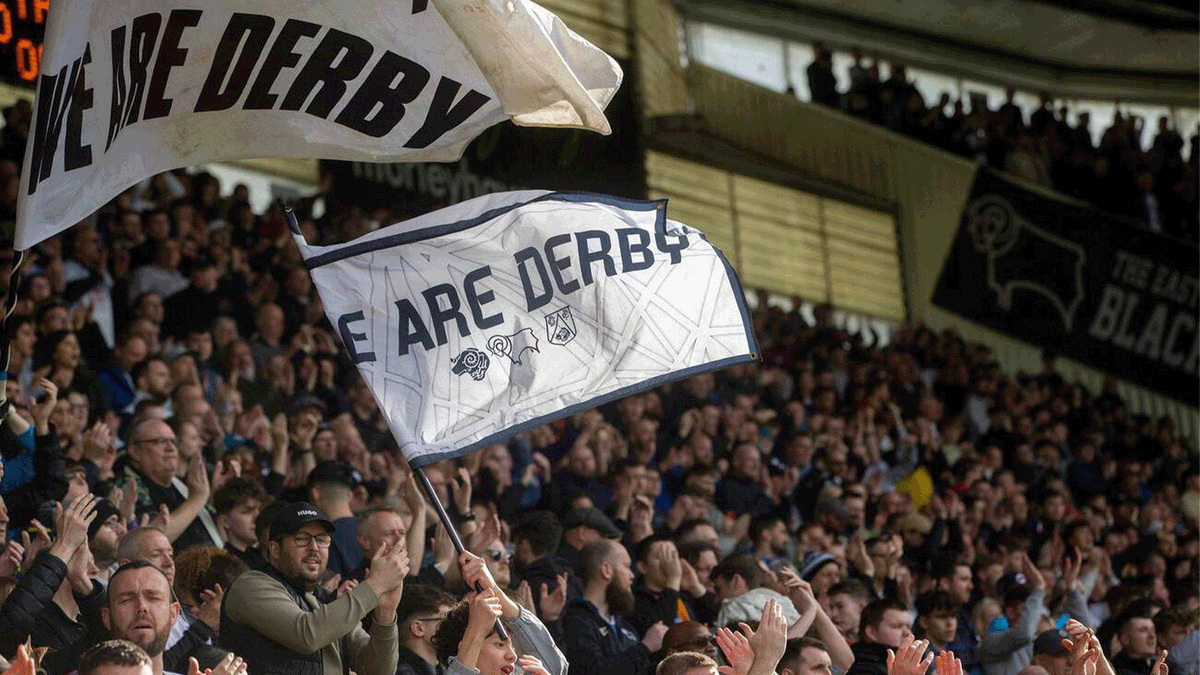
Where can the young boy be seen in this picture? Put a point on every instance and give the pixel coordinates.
(467, 642)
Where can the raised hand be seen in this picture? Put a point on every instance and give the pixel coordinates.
(671, 567)
(72, 526)
(41, 411)
(907, 660)
(1032, 573)
(40, 542)
(552, 603)
(161, 520)
(223, 471)
(209, 609)
(531, 665)
(23, 663)
(654, 636)
(197, 478)
(12, 557)
(386, 572)
(525, 597)
(1085, 653)
(737, 651)
(1071, 565)
(345, 587)
(689, 580)
(769, 642)
(128, 501)
(799, 590)
(947, 664)
(1160, 664)
(461, 482)
(474, 571)
(485, 610)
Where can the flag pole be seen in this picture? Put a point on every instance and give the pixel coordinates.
(422, 479)
(5, 332)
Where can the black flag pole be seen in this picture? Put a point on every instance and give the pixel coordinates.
(450, 529)
(422, 479)
(5, 333)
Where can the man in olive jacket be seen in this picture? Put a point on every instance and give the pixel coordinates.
(286, 624)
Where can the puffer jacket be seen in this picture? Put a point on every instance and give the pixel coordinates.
(30, 612)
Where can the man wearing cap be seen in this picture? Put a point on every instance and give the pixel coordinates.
(284, 623)
(581, 527)
(1049, 652)
(1008, 645)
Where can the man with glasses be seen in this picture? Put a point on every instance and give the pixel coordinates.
(689, 636)
(422, 609)
(285, 623)
(153, 458)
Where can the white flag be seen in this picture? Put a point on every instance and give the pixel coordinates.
(129, 88)
(511, 310)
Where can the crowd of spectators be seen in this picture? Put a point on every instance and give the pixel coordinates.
(192, 464)
(1154, 187)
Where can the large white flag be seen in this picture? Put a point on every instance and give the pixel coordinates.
(510, 310)
(130, 88)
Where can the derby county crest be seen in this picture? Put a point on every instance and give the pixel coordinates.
(513, 346)
(560, 327)
(471, 362)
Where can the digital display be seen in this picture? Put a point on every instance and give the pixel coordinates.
(22, 26)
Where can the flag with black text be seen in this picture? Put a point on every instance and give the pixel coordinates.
(129, 89)
(507, 311)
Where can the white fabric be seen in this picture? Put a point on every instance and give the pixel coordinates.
(517, 347)
(410, 80)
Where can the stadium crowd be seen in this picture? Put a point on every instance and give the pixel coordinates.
(1154, 187)
(193, 465)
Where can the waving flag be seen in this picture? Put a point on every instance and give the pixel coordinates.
(507, 311)
(129, 89)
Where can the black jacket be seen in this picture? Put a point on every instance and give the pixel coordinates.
(30, 612)
(1124, 664)
(596, 647)
(663, 606)
(410, 663)
(198, 642)
(870, 658)
(545, 570)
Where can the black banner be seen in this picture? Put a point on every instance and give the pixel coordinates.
(1085, 284)
(505, 157)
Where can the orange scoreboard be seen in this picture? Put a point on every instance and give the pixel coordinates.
(22, 25)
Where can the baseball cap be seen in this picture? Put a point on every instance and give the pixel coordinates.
(1049, 643)
(304, 402)
(592, 517)
(1010, 581)
(295, 516)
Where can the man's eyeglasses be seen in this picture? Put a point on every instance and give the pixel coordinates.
(161, 440)
(303, 540)
(433, 619)
(498, 556)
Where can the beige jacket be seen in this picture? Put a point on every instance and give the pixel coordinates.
(262, 603)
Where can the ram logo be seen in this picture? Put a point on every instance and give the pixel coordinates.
(1021, 255)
